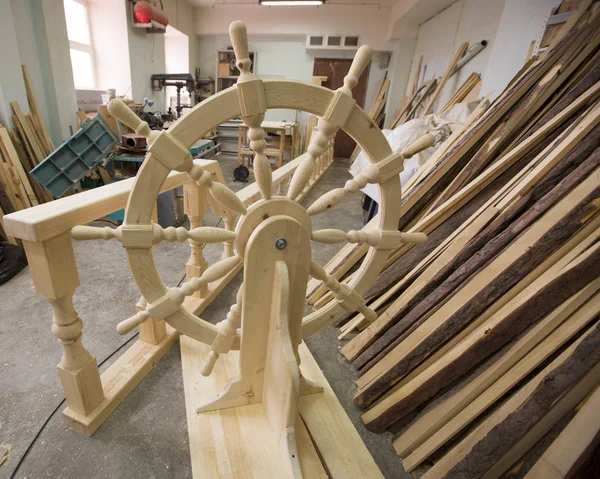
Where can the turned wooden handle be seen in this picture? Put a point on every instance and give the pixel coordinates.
(360, 62)
(239, 39)
(92, 233)
(126, 115)
(417, 238)
(220, 269)
(131, 323)
(421, 144)
(209, 363)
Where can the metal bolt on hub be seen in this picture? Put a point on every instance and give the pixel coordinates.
(280, 243)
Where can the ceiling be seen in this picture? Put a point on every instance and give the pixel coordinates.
(210, 3)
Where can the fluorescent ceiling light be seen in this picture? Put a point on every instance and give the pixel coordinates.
(277, 3)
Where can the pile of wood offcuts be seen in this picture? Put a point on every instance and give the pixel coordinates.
(484, 360)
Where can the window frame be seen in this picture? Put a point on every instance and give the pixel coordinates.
(89, 49)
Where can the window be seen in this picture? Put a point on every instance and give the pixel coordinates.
(82, 53)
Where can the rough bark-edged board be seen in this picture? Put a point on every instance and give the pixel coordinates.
(532, 304)
(434, 419)
(503, 384)
(574, 443)
(484, 288)
(491, 241)
(579, 365)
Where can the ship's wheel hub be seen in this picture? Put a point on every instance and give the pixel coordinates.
(263, 210)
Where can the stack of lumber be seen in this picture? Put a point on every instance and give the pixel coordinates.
(376, 113)
(463, 91)
(486, 348)
(423, 97)
(21, 150)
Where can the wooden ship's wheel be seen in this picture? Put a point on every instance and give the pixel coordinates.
(272, 237)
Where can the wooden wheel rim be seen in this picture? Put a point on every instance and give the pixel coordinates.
(280, 94)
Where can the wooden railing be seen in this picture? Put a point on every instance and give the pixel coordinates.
(45, 231)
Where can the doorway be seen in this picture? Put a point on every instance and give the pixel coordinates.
(335, 69)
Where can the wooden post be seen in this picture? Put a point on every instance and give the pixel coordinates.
(54, 272)
(229, 222)
(194, 205)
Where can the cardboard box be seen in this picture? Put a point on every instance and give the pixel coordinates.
(224, 70)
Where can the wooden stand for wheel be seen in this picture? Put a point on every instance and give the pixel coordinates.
(278, 252)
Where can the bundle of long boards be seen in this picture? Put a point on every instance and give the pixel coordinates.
(21, 149)
(484, 360)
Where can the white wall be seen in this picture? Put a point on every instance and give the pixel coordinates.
(108, 25)
(369, 22)
(283, 57)
(399, 74)
(520, 24)
(439, 38)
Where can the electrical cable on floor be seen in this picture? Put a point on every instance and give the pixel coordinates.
(55, 410)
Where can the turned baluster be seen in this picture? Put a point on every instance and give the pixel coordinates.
(194, 205)
(227, 334)
(229, 222)
(55, 276)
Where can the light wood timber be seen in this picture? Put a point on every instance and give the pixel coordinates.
(572, 445)
(460, 52)
(428, 424)
(584, 378)
(519, 371)
(567, 271)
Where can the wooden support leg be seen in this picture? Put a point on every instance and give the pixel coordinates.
(152, 330)
(282, 374)
(261, 256)
(55, 277)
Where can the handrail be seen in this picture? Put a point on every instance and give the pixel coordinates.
(45, 221)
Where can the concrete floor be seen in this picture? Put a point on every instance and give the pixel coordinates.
(146, 436)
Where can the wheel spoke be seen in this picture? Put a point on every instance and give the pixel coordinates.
(327, 127)
(375, 238)
(204, 234)
(348, 298)
(226, 336)
(173, 155)
(253, 110)
(170, 302)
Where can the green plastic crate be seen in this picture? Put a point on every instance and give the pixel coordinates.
(74, 159)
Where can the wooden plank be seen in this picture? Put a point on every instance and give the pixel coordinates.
(36, 113)
(563, 279)
(29, 134)
(522, 366)
(574, 443)
(231, 450)
(460, 52)
(517, 422)
(488, 244)
(502, 273)
(11, 155)
(434, 419)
